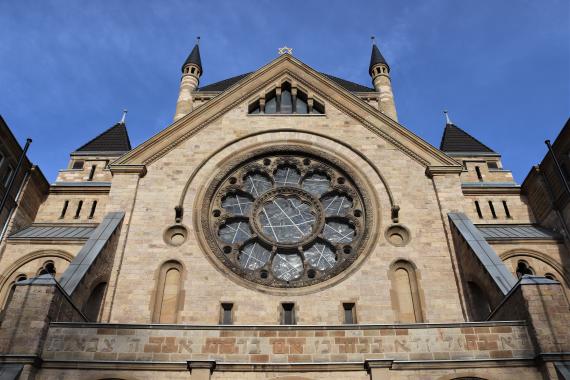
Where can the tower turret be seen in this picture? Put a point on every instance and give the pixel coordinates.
(380, 73)
(191, 73)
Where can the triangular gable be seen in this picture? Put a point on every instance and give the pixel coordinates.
(249, 86)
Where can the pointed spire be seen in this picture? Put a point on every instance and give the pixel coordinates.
(447, 119)
(376, 57)
(124, 117)
(194, 57)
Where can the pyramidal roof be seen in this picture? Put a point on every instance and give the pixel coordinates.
(113, 140)
(455, 140)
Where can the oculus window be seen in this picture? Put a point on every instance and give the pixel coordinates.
(285, 220)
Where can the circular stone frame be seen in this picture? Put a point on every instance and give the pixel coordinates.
(398, 235)
(344, 178)
(175, 235)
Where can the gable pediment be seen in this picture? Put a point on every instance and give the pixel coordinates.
(263, 80)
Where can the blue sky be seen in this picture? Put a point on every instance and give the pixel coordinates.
(502, 68)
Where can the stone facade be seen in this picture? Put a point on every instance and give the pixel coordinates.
(424, 321)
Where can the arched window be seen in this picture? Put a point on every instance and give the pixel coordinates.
(523, 268)
(405, 293)
(480, 307)
(287, 100)
(47, 268)
(550, 276)
(92, 307)
(168, 293)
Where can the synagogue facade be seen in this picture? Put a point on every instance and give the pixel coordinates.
(286, 226)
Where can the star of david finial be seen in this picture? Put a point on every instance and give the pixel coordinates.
(285, 50)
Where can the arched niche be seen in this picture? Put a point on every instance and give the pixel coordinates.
(31, 265)
(92, 307)
(480, 307)
(539, 263)
(168, 293)
(405, 292)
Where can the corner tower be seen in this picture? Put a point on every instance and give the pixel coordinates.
(191, 73)
(380, 73)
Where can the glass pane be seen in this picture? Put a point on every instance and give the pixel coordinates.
(287, 267)
(253, 256)
(287, 176)
(286, 220)
(320, 256)
(316, 184)
(336, 205)
(271, 105)
(301, 106)
(236, 204)
(235, 232)
(286, 102)
(257, 184)
(338, 232)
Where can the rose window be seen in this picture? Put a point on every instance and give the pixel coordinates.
(285, 220)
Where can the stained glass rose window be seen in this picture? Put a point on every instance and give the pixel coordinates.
(286, 220)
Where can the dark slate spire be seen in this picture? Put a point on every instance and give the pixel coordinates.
(456, 140)
(376, 57)
(194, 57)
(114, 140)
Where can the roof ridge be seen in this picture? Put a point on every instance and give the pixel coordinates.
(224, 84)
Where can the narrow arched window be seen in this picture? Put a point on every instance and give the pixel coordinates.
(92, 307)
(405, 293)
(168, 293)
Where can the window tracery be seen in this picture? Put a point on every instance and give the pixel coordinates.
(286, 220)
(286, 100)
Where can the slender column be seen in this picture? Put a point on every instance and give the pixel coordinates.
(294, 99)
(262, 104)
(278, 100)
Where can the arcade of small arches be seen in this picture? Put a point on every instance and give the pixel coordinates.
(286, 99)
